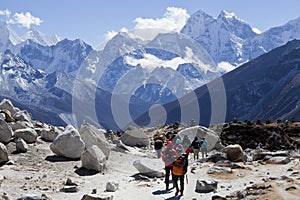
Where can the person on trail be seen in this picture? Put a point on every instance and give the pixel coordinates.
(158, 145)
(179, 170)
(186, 142)
(169, 136)
(168, 157)
(203, 147)
(179, 145)
(196, 147)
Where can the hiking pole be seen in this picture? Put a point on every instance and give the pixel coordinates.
(187, 180)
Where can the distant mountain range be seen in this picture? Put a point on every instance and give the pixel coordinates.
(267, 87)
(10, 37)
(130, 76)
(230, 39)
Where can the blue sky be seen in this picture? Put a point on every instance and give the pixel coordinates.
(91, 20)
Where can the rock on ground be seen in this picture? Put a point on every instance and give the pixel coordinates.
(21, 145)
(147, 168)
(68, 144)
(48, 134)
(6, 104)
(20, 125)
(94, 136)
(93, 159)
(22, 116)
(112, 186)
(135, 137)
(234, 152)
(3, 153)
(205, 186)
(27, 134)
(201, 132)
(5, 132)
(278, 160)
(97, 197)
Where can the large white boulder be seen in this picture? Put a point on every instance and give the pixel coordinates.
(93, 159)
(149, 168)
(135, 137)
(48, 134)
(27, 134)
(68, 144)
(3, 153)
(201, 132)
(5, 132)
(94, 136)
(234, 152)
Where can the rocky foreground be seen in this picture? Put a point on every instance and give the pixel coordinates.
(41, 161)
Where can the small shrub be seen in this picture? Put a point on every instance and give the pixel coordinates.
(293, 120)
(268, 121)
(258, 121)
(234, 120)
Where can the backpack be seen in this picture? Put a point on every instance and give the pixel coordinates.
(168, 158)
(201, 142)
(186, 143)
(196, 145)
(180, 166)
(158, 144)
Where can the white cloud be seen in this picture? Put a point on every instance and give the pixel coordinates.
(25, 20)
(151, 62)
(173, 20)
(110, 34)
(5, 12)
(147, 28)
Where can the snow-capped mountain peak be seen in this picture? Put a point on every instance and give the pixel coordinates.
(222, 37)
(7, 37)
(228, 15)
(201, 14)
(41, 38)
